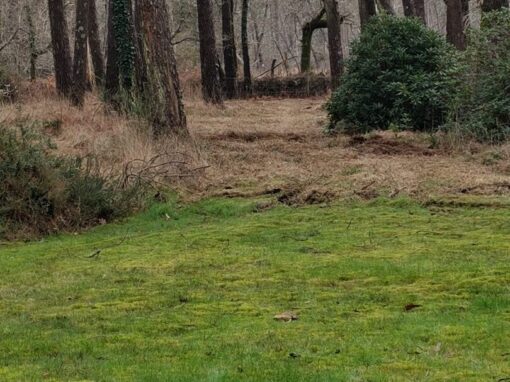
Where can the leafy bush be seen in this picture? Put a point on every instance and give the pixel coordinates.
(41, 193)
(483, 109)
(400, 74)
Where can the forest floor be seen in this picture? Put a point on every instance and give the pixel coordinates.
(261, 146)
(391, 249)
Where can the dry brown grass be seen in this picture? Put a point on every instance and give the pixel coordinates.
(264, 145)
(113, 139)
(260, 145)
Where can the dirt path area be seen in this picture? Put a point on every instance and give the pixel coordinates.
(264, 145)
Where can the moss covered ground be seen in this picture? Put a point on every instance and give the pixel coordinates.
(188, 293)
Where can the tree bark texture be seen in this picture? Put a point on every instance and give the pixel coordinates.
(229, 48)
(317, 22)
(112, 65)
(94, 40)
(455, 23)
(367, 9)
(211, 86)
(161, 91)
(247, 85)
(61, 48)
(334, 41)
(80, 53)
(415, 8)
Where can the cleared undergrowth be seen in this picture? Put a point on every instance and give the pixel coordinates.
(188, 293)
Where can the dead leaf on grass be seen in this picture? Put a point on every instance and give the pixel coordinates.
(286, 317)
(410, 307)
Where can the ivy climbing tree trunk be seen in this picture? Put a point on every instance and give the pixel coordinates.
(112, 66)
(336, 59)
(160, 92)
(366, 11)
(229, 48)
(455, 23)
(124, 40)
(80, 53)
(61, 49)
(211, 86)
(245, 47)
(317, 22)
(94, 40)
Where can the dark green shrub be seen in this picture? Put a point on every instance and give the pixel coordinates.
(400, 75)
(483, 109)
(41, 193)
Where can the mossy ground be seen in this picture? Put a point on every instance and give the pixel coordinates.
(188, 293)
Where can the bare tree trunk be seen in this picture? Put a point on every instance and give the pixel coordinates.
(161, 92)
(80, 53)
(415, 8)
(229, 48)
(494, 5)
(141, 75)
(366, 11)
(61, 48)
(96, 51)
(31, 43)
(246, 49)
(306, 40)
(335, 41)
(455, 23)
(112, 65)
(387, 7)
(211, 87)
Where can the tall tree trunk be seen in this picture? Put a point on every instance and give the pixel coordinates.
(455, 23)
(32, 45)
(124, 40)
(366, 11)
(141, 75)
(161, 92)
(80, 53)
(61, 49)
(387, 7)
(211, 86)
(306, 40)
(112, 65)
(415, 8)
(245, 47)
(229, 48)
(334, 41)
(494, 5)
(96, 51)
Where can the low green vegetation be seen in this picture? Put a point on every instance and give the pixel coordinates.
(42, 192)
(483, 107)
(188, 293)
(401, 75)
(404, 76)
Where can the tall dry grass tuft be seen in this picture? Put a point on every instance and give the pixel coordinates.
(115, 141)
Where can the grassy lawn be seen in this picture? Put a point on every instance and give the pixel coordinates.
(189, 294)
